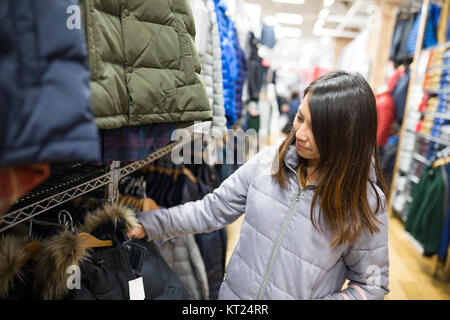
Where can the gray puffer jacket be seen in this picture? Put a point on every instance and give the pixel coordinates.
(183, 256)
(207, 41)
(280, 255)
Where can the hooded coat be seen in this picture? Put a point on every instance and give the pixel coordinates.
(280, 255)
(105, 272)
(144, 64)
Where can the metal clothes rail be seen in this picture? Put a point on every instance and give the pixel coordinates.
(111, 178)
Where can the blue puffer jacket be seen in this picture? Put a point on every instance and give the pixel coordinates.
(44, 85)
(229, 60)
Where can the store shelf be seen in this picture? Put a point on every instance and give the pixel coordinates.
(436, 91)
(445, 116)
(439, 67)
(421, 159)
(438, 46)
(434, 139)
(431, 138)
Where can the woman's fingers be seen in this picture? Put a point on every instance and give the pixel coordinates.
(138, 232)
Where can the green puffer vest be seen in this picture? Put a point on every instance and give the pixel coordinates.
(143, 61)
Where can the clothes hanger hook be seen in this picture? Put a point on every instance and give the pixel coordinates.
(64, 221)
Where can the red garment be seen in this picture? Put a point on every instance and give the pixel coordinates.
(386, 117)
(392, 81)
(16, 181)
(419, 126)
(423, 103)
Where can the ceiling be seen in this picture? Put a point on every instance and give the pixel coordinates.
(344, 19)
(294, 57)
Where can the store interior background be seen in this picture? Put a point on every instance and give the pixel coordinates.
(314, 37)
(132, 165)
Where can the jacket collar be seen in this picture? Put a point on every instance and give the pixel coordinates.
(292, 160)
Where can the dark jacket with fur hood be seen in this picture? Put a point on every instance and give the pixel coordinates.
(104, 272)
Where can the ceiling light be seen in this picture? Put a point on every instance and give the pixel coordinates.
(327, 3)
(286, 32)
(289, 18)
(270, 20)
(324, 13)
(290, 1)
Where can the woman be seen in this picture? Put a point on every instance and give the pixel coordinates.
(313, 219)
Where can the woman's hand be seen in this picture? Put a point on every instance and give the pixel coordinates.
(138, 232)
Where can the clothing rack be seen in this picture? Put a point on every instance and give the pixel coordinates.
(411, 159)
(415, 85)
(49, 196)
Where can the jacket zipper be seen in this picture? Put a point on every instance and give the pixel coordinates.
(275, 249)
(316, 285)
(320, 280)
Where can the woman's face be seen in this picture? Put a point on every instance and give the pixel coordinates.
(304, 138)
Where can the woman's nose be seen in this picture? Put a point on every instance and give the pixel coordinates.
(300, 134)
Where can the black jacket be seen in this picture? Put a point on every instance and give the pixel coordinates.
(105, 272)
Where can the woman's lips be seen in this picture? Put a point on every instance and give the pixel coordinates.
(300, 147)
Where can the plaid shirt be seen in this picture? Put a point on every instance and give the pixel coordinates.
(135, 143)
(16, 181)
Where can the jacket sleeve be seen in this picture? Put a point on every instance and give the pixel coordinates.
(224, 205)
(368, 263)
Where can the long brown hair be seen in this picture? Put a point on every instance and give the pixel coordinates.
(344, 124)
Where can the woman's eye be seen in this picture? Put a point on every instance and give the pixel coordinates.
(300, 118)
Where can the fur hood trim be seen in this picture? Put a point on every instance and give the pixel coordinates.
(110, 213)
(52, 271)
(65, 249)
(12, 257)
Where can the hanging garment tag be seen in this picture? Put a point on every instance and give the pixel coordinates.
(136, 289)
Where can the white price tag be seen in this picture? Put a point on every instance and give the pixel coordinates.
(136, 289)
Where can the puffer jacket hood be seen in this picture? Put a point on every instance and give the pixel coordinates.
(59, 252)
(280, 255)
(111, 214)
(144, 64)
(12, 255)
